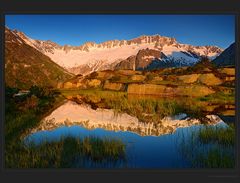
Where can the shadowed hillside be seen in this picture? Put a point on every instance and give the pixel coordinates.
(25, 66)
(227, 57)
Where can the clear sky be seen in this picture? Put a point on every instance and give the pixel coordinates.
(75, 30)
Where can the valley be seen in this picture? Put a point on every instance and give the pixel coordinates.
(139, 103)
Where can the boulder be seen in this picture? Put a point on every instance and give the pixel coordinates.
(105, 74)
(128, 72)
(67, 85)
(228, 71)
(138, 77)
(146, 89)
(163, 90)
(60, 85)
(157, 78)
(230, 78)
(93, 83)
(191, 78)
(80, 85)
(113, 86)
(194, 90)
(209, 79)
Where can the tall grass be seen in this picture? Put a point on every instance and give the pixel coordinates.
(220, 135)
(145, 109)
(209, 147)
(69, 152)
(25, 113)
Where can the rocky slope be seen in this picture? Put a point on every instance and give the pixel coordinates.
(199, 80)
(227, 57)
(25, 66)
(91, 56)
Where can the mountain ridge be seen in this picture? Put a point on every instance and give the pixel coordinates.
(25, 66)
(90, 56)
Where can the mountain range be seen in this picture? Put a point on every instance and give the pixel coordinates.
(29, 62)
(144, 52)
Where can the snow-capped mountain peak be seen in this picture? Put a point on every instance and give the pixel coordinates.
(107, 54)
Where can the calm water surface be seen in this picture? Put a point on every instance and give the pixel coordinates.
(147, 145)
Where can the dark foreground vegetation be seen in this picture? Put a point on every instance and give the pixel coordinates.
(210, 147)
(25, 111)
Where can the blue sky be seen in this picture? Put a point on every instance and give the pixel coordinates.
(199, 30)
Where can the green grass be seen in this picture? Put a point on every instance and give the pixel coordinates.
(209, 147)
(24, 113)
(152, 108)
(145, 109)
(220, 135)
(68, 152)
(219, 98)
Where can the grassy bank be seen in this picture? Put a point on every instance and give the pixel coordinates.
(25, 112)
(149, 108)
(145, 109)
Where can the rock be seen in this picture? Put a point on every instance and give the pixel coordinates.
(105, 74)
(228, 112)
(67, 85)
(138, 78)
(209, 79)
(128, 72)
(230, 78)
(163, 90)
(157, 78)
(93, 99)
(191, 78)
(194, 90)
(74, 85)
(113, 86)
(146, 89)
(60, 85)
(80, 85)
(206, 70)
(93, 83)
(69, 97)
(228, 71)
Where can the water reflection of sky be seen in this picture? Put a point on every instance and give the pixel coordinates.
(142, 151)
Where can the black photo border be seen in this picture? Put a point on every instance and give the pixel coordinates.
(230, 7)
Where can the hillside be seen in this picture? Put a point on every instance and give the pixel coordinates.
(25, 66)
(200, 80)
(227, 57)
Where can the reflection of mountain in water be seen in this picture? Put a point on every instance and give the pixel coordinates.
(71, 113)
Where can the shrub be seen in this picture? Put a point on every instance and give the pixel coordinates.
(9, 92)
(149, 77)
(115, 78)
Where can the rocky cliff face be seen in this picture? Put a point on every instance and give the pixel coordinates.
(91, 56)
(142, 60)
